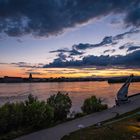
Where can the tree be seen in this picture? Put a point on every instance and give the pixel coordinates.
(31, 99)
(11, 116)
(34, 113)
(29, 114)
(61, 104)
(38, 113)
(93, 104)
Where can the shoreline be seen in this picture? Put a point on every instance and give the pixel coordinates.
(110, 80)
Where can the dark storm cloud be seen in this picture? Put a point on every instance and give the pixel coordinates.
(71, 52)
(122, 47)
(60, 50)
(130, 47)
(133, 16)
(50, 17)
(112, 51)
(132, 59)
(61, 57)
(75, 52)
(82, 46)
(108, 40)
(121, 36)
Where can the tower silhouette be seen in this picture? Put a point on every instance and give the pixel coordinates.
(30, 77)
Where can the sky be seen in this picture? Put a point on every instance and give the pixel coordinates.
(69, 38)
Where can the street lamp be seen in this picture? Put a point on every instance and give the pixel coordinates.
(81, 126)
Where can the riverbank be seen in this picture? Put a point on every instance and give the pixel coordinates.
(43, 80)
(110, 80)
(57, 132)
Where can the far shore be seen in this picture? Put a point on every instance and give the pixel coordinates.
(110, 80)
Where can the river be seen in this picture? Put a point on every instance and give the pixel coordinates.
(78, 91)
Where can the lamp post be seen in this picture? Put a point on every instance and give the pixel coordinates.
(80, 126)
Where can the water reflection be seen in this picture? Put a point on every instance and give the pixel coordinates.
(78, 91)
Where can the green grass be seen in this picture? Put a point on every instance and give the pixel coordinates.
(124, 129)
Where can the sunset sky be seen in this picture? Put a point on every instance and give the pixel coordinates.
(70, 38)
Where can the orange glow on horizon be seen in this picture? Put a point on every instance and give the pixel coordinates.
(13, 70)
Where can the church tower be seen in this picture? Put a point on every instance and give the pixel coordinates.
(30, 77)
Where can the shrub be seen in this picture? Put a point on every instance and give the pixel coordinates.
(34, 114)
(61, 104)
(38, 114)
(93, 104)
(11, 116)
(79, 114)
(29, 114)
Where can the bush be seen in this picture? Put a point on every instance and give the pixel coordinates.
(92, 105)
(29, 114)
(11, 116)
(34, 114)
(61, 104)
(79, 114)
(38, 114)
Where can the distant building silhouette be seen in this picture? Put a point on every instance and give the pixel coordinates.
(30, 77)
(8, 79)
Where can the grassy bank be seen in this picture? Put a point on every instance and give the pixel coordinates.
(124, 127)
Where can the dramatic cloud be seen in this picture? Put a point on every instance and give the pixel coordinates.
(122, 47)
(60, 50)
(130, 47)
(63, 55)
(108, 40)
(112, 51)
(49, 17)
(71, 52)
(132, 59)
(133, 16)
(79, 50)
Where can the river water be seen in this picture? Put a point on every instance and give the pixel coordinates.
(78, 91)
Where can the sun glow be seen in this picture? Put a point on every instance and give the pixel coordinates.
(13, 70)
